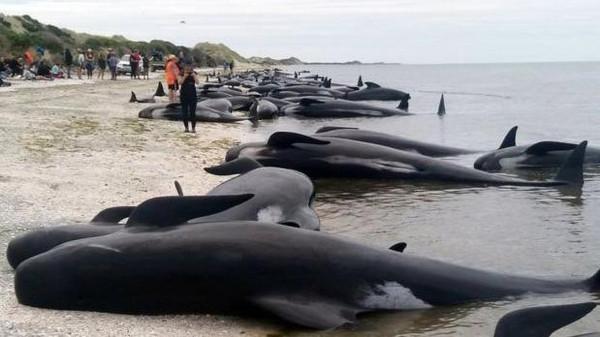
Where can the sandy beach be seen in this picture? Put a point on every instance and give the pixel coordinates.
(71, 148)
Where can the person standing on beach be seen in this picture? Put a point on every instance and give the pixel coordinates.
(101, 65)
(89, 63)
(231, 67)
(145, 66)
(68, 61)
(113, 61)
(80, 62)
(171, 74)
(134, 62)
(187, 96)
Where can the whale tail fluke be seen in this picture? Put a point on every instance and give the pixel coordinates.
(403, 104)
(133, 98)
(571, 170)
(541, 321)
(160, 91)
(441, 107)
(510, 138)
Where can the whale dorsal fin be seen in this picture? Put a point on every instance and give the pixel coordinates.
(113, 214)
(237, 166)
(331, 128)
(441, 106)
(309, 101)
(172, 211)
(372, 85)
(398, 247)
(541, 321)
(359, 83)
(160, 91)
(317, 313)
(285, 139)
(571, 170)
(542, 148)
(510, 138)
(178, 188)
(133, 98)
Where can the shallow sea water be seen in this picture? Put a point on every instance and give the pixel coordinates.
(545, 232)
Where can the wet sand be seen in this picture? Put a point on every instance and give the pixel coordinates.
(72, 148)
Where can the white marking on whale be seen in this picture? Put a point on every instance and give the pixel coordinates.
(392, 296)
(271, 214)
(512, 162)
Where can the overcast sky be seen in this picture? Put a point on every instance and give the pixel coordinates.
(407, 31)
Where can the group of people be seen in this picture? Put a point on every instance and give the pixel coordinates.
(180, 76)
(35, 65)
(89, 61)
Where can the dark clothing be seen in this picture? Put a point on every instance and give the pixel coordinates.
(146, 62)
(102, 63)
(188, 89)
(15, 67)
(189, 100)
(43, 70)
(188, 111)
(68, 57)
(134, 68)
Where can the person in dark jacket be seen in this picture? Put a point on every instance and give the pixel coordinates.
(68, 61)
(187, 96)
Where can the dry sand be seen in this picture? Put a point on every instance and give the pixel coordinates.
(71, 148)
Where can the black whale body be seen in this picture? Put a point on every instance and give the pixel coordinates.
(107, 221)
(338, 108)
(326, 157)
(204, 113)
(305, 277)
(536, 155)
(393, 141)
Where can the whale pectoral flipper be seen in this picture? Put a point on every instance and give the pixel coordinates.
(398, 247)
(510, 138)
(331, 128)
(542, 148)
(541, 321)
(317, 313)
(113, 214)
(240, 165)
(171, 211)
(285, 139)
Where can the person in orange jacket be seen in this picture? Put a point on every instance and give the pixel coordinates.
(28, 57)
(171, 73)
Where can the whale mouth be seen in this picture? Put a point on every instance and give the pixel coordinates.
(290, 224)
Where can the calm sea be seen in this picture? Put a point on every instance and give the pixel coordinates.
(542, 232)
